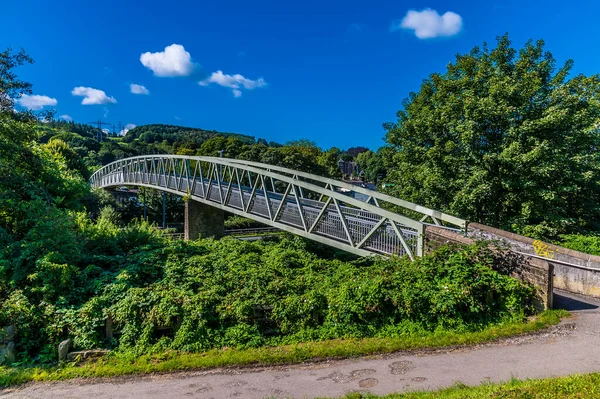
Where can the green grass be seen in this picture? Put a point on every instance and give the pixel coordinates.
(571, 387)
(119, 364)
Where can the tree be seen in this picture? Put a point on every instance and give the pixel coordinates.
(11, 87)
(354, 151)
(372, 164)
(502, 138)
(329, 161)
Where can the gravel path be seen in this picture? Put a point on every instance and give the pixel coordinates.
(571, 347)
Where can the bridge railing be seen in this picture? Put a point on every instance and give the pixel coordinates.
(304, 204)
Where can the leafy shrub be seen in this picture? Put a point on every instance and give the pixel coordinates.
(589, 244)
(239, 222)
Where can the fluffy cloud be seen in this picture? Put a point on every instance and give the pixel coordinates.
(92, 96)
(174, 61)
(36, 102)
(235, 82)
(138, 89)
(66, 118)
(127, 128)
(428, 23)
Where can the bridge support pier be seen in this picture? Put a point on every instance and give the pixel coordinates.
(202, 221)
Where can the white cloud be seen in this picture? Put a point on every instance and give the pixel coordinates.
(235, 82)
(138, 89)
(66, 118)
(428, 23)
(127, 128)
(36, 102)
(92, 96)
(174, 61)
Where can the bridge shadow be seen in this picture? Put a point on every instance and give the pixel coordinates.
(570, 302)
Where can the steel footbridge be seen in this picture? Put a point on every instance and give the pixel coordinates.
(351, 218)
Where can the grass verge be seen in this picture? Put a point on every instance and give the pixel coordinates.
(572, 387)
(119, 364)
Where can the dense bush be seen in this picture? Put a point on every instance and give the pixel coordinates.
(235, 222)
(205, 294)
(589, 244)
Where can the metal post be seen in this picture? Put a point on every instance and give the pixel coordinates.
(420, 240)
(220, 166)
(164, 211)
(144, 199)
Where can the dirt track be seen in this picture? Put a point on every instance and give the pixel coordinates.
(571, 347)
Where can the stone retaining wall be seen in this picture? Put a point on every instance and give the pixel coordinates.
(574, 271)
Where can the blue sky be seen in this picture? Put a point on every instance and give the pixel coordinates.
(329, 71)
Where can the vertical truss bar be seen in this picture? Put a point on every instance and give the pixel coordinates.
(249, 178)
(145, 171)
(268, 203)
(201, 179)
(210, 175)
(420, 239)
(154, 174)
(180, 174)
(251, 195)
(401, 237)
(219, 177)
(237, 176)
(229, 186)
(339, 210)
(186, 163)
(193, 189)
(300, 211)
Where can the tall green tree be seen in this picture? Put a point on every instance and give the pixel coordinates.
(505, 138)
(11, 87)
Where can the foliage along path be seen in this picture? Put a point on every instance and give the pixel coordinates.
(571, 347)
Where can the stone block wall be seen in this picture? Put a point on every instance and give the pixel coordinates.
(7, 344)
(535, 271)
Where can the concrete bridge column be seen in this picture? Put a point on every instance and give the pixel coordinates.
(202, 221)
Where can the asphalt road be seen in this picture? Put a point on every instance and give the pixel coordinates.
(571, 347)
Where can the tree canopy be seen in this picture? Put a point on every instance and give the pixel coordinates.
(505, 138)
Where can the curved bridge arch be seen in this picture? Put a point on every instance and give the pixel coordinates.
(308, 205)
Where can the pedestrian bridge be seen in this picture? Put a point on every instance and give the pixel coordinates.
(344, 216)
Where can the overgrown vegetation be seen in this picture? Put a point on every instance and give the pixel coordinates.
(589, 244)
(196, 296)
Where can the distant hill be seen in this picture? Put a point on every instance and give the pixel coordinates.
(178, 135)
